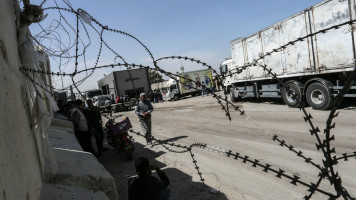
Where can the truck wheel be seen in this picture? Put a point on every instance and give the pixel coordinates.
(318, 96)
(287, 96)
(176, 97)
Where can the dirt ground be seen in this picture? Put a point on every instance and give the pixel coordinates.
(201, 120)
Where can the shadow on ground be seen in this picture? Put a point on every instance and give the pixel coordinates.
(169, 140)
(182, 186)
(348, 104)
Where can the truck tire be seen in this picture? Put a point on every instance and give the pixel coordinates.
(318, 96)
(287, 98)
(176, 98)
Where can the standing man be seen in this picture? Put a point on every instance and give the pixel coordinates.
(94, 120)
(211, 87)
(143, 111)
(203, 89)
(81, 130)
(219, 84)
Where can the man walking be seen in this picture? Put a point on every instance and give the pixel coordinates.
(143, 111)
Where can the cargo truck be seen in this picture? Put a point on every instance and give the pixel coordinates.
(314, 69)
(187, 83)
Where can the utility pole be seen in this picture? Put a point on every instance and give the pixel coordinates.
(71, 93)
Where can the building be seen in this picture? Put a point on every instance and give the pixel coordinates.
(120, 83)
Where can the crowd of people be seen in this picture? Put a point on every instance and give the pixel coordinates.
(155, 96)
(211, 87)
(87, 122)
(122, 98)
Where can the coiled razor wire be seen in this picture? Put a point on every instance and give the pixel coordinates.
(83, 19)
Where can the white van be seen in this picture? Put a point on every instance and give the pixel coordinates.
(100, 100)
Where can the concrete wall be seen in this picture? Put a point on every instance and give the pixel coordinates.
(107, 80)
(24, 116)
(30, 166)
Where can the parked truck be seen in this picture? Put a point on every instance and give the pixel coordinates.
(187, 83)
(126, 82)
(314, 69)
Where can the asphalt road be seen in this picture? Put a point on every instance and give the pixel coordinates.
(201, 120)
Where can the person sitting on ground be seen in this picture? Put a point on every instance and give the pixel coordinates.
(146, 186)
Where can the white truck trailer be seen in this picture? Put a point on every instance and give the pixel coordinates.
(174, 90)
(314, 68)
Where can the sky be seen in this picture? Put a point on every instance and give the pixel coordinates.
(201, 29)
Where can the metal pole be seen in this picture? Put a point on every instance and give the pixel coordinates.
(72, 94)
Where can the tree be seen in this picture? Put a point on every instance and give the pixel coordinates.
(154, 76)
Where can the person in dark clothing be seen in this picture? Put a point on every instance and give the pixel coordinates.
(214, 84)
(60, 106)
(160, 96)
(81, 130)
(203, 89)
(150, 96)
(68, 109)
(146, 186)
(155, 96)
(219, 84)
(94, 120)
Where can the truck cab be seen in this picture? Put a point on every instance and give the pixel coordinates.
(170, 90)
(227, 66)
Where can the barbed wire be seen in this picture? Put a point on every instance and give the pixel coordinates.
(325, 145)
(326, 171)
(245, 159)
(75, 84)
